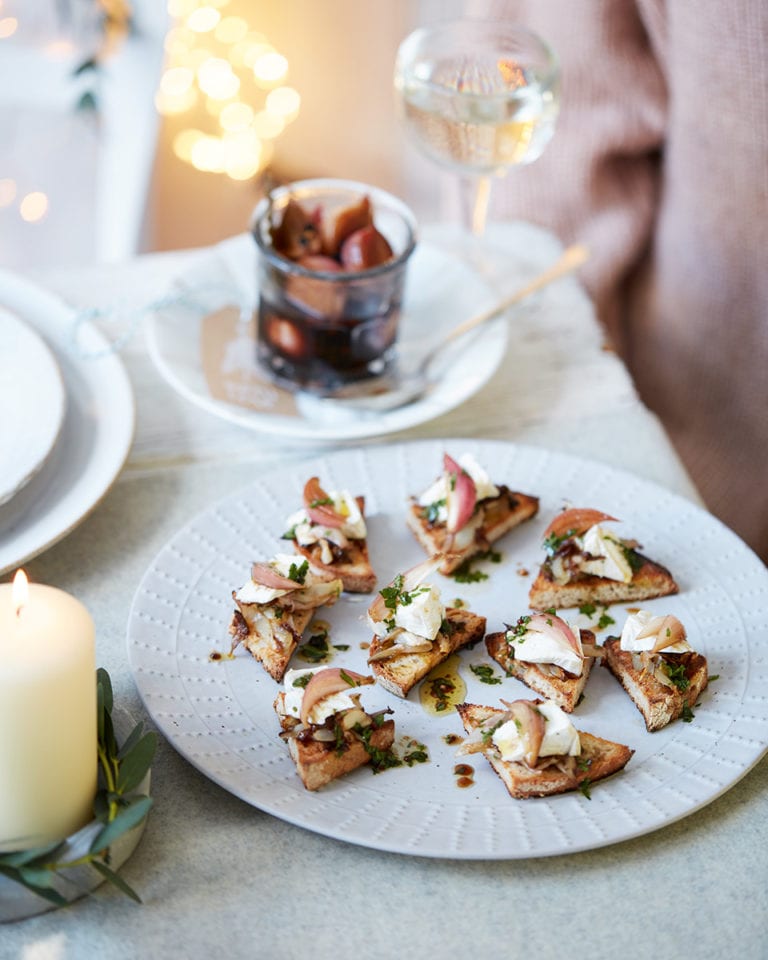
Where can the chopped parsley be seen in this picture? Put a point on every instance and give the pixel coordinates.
(347, 679)
(418, 755)
(315, 650)
(340, 646)
(519, 630)
(440, 689)
(487, 735)
(290, 534)
(380, 759)
(687, 714)
(484, 673)
(676, 673)
(298, 572)
(552, 543)
(340, 745)
(302, 681)
(466, 574)
(631, 555)
(715, 676)
(431, 513)
(584, 786)
(322, 502)
(590, 609)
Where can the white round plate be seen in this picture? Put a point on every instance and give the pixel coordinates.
(219, 714)
(441, 292)
(32, 396)
(95, 436)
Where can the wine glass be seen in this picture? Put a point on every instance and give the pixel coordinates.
(478, 97)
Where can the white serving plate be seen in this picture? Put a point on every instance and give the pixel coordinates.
(220, 717)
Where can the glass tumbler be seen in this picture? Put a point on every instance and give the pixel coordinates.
(321, 324)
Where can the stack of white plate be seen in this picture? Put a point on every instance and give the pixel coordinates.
(66, 419)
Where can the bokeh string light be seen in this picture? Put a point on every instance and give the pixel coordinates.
(230, 78)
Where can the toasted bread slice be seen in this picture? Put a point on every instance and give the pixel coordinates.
(599, 759)
(658, 703)
(563, 688)
(269, 637)
(400, 673)
(499, 515)
(649, 580)
(350, 564)
(318, 762)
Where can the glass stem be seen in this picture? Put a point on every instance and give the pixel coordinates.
(476, 195)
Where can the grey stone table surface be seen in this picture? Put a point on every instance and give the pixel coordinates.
(219, 877)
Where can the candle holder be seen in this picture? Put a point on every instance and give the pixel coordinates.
(76, 866)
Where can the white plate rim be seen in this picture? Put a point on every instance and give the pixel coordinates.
(467, 374)
(48, 421)
(96, 373)
(732, 723)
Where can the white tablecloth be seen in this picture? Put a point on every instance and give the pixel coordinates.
(220, 878)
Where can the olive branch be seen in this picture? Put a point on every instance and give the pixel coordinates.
(117, 807)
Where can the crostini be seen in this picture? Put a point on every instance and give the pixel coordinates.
(462, 513)
(536, 750)
(327, 731)
(548, 654)
(657, 667)
(587, 563)
(276, 605)
(330, 532)
(413, 631)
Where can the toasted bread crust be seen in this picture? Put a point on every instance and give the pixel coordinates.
(317, 763)
(273, 651)
(599, 759)
(658, 703)
(401, 673)
(565, 691)
(353, 567)
(500, 515)
(648, 581)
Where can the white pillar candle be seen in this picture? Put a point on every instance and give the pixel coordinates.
(48, 737)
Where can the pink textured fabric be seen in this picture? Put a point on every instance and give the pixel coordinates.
(660, 164)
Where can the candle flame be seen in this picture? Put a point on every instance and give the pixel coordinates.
(20, 591)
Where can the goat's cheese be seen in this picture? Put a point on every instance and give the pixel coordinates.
(294, 694)
(561, 738)
(538, 646)
(607, 557)
(636, 623)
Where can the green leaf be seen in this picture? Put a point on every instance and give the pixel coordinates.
(116, 879)
(135, 764)
(18, 858)
(131, 740)
(128, 818)
(90, 64)
(103, 680)
(46, 892)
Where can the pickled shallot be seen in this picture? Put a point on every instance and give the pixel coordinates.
(266, 576)
(319, 505)
(461, 495)
(325, 683)
(555, 627)
(574, 522)
(668, 630)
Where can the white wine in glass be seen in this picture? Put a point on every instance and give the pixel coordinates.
(478, 97)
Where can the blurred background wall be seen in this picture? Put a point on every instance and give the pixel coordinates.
(96, 97)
